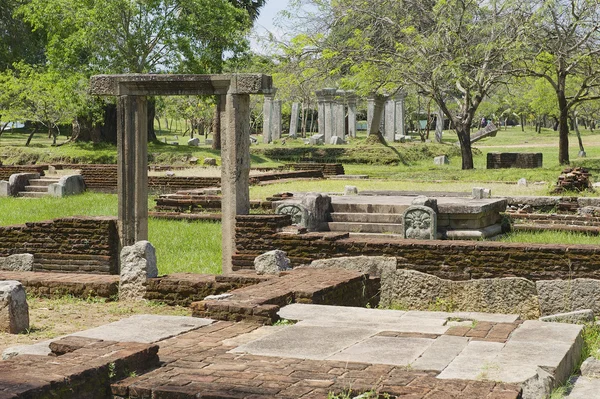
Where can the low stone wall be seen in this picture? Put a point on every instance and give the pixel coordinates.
(550, 203)
(453, 260)
(80, 245)
(502, 160)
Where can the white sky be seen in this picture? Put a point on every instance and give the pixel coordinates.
(265, 24)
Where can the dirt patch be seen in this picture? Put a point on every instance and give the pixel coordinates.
(51, 318)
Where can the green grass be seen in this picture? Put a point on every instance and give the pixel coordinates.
(551, 237)
(180, 246)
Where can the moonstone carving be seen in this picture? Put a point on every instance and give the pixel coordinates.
(420, 223)
(298, 213)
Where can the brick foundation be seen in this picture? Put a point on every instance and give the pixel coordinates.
(454, 260)
(79, 245)
(7, 170)
(503, 160)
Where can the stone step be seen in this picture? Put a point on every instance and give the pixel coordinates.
(42, 182)
(366, 217)
(392, 228)
(38, 189)
(377, 235)
(369, 208)
(32, 194)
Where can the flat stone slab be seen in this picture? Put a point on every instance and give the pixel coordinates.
(145, 328)
(441, 352)
(585, 388)
(396, 351)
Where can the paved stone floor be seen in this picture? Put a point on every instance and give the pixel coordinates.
(418, 355)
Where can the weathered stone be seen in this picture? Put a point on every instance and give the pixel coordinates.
(420, 222)
(4, 189)
(522, 182)
(581, 154)
(67, 185)
(318, 207)
(374, 266)
(577, 317)
(16, 183)
(138, 263)
(416, 290)
(591, 368)
(441, 160)
(481, 193)
(336, 140)
(193, 160)
(422, 200)
(298, 212)
(18, 262)
(562, 296)
(14, 311)
(271, 262)
(294, 116)
(195, 142)
(210, 162)
(350, 190)
(317, 139)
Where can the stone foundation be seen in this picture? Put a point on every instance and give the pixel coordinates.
(502, 160)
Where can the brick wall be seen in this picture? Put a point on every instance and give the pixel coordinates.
(326, 168)
(82, 245)
(503, 160)
(6, 171)
(455, 260)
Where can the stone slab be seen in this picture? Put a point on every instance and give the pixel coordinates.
(441, 352)
(585, 388)
(259, 333)
(550, 333)
(305, 341)
(397, 351)
(144, 328)
(475, 362)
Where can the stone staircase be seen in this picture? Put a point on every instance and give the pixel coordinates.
(367, 218)
(38, 188)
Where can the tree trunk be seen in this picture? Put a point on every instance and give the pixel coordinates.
(3, 127)
(216, 144)
(33, 131)
(578, 133)
(151, 115)
(563, 129)
(464, 138)
(522, 122)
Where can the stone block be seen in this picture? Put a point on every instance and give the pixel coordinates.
(5, 189)
(441, 160)
(18, 181)
(522, 182)
(318, 206)
(195, 142)
(591, 368)
(14, 311)
(562, 296)
(138, 263)
(272, 262)
(374, 266)
(317, 139)
(67, 185)
(18, 262)
(336, 140)
(420, 222)
(577, 317)
(350, 190)
(208, 141)
(210, 162)
(481, 193)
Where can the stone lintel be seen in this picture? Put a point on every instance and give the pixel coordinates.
(164, 84)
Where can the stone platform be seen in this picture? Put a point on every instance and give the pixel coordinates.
(419, 355)
(457, 218)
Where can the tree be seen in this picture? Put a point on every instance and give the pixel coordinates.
(563, 43)
(138, 36)
(453, 51)
(18, 42)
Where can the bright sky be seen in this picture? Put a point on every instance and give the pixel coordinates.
(265, 23)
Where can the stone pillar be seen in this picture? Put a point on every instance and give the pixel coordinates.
(294, 120)
(351, 100)
(235, 170)
(375, 108)
(268, 117)
(439, 126)
(132, 175)
(320, 111)
(390, 120)
(400, 97)
(340, 115)
(329, 98)
(276, 120)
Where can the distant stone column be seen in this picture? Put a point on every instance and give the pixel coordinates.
(235, 171)
(276, 120)
(132, 175)
(329, 99)
(294, 119)
(375, 109)
(400, 97)
(268, 117)
(390, 120)
(351, 100)
(340, 115)
(439, 125)
(320, 111)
